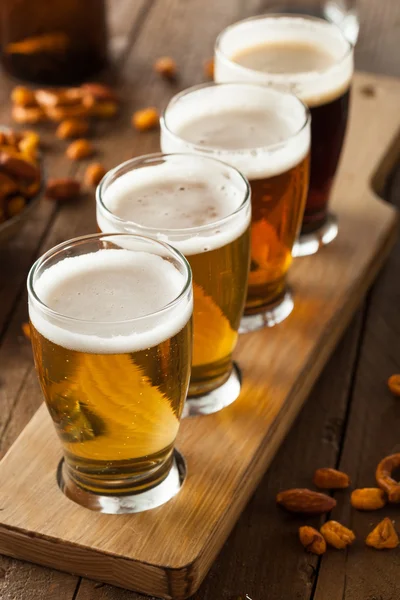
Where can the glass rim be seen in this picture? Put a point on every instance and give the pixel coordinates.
(156, 156)
(280, 76)
(214, 84)
(40, 305)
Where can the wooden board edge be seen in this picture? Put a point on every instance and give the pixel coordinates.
(87, 562)
(378, 178)
(381, 175)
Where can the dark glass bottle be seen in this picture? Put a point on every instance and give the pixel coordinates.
(53, 42)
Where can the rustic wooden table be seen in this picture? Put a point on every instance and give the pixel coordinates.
(350, 420)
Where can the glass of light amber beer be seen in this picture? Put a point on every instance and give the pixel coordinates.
(313, 59)
(111, 333)
(265, 134)
(201, 207)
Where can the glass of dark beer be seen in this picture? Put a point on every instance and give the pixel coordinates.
(265, 134)
(312, 59)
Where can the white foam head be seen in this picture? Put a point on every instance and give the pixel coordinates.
(261, 132)
(195, 204)
(314, 87)
(109, 301)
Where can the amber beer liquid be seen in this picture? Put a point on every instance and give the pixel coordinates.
(113, 362)
(201, 207)
(266, 135)
(312, 59)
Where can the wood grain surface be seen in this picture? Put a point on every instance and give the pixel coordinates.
(262, 557)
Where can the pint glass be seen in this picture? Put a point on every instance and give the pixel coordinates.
(111, 333)
(266, 135)
(201, 207)
(312, 59)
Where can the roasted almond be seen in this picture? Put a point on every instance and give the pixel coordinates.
(145, 119)
(16, 165)
(72, 128)
(94, 174)
(301, 500)
(166, 67)
(79, 149)
(63, 189)
(331, 479)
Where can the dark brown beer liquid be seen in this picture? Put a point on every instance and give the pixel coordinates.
(328, 128)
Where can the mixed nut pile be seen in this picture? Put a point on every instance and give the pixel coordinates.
(89, 100)
(332, 533)
(72, 109)
(309, 502)
(20, 175)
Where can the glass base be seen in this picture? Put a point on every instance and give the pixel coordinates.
(270, 315)
(310, 243)
(123, 504)
(217, 399)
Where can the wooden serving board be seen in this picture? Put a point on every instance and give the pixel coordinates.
(168, 551)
